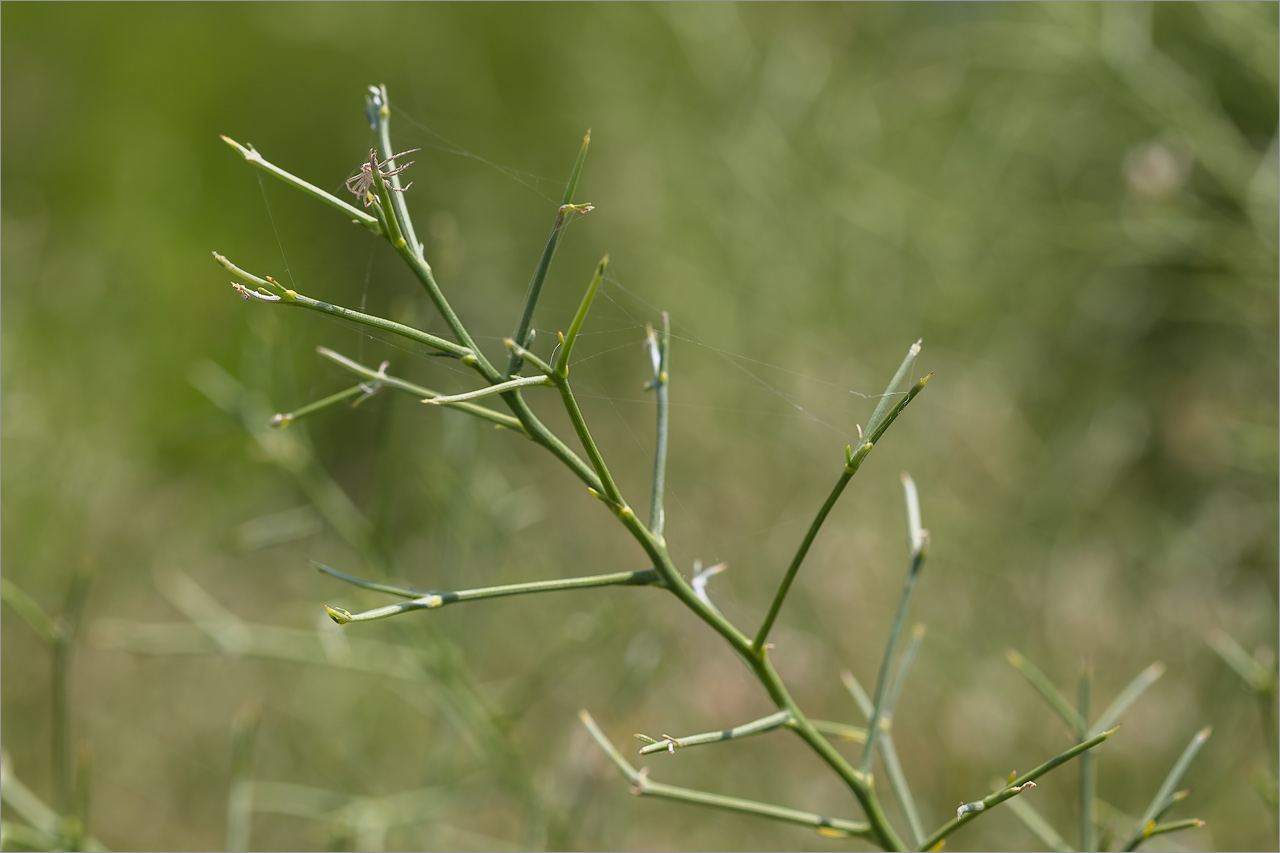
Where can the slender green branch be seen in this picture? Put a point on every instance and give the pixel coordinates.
(492, 390)
(1147, 823)
(378, 108)
(1128, 696)
(389, 589)
(1088, 767)
(379, 377)
(392, 214)
(355, 392)
(1045, 688)
(892, 389)
(435, 600)
(610, 488)
(660, 354)
(521, 334)
(249, 153)
(1015, 786)
(1035, 822)
(670, 744)
(883, 692)
(642, 785)
(275, 292)
(888, 752)
(860, 697)
(841, 731)
(567, 340)
(244, 742)
(853, 461)
(30, 611)
(1164, 828)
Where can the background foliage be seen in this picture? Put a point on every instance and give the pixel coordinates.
(1074, 205)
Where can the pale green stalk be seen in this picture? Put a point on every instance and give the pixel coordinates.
(1035, 822)
(969, 811)
(1128, 696)
(853, 461)
(244, 737)
(1045, 688)
(1088, 768)
(521, 334)
(249, 153)
(436, 600)
(1147, 823)
(284, 296)
(661, 350)
(381, 378)
(831, 827)
(670, 744)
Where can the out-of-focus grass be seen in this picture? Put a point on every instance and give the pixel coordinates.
(1074, 205)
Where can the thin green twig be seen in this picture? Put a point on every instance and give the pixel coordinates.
(853, 461)
(670, 744)
(1127, 697)
(969, 811)
(660, 354)
(1088, 767)
(1147, 823)
(1045, 688)
(269, 290)
(532, 295)
(249, 153)
(643, 786)
(435, 600)
(380, 377)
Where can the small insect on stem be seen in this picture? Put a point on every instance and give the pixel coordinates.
(362, 184)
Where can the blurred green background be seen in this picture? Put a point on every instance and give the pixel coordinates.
(1074, 205)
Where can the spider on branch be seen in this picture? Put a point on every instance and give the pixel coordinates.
(362, 184)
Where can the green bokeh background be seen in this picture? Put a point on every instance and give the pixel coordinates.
(1074, 205)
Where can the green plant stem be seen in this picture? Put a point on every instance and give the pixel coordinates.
(841, 731)
(355, 392)
(285, 296)
(1009, 790)
(249, 153)
(244, 736)
(1128, 696)
(644, 786)
(609, 487)
(381, 378)
(755, 727)
(853, 461)
(1147, 823)
(1088, 767)
(492, 390)
(532, 295)
(888, 752)
(1035, 822)
(661, 386)
(1173, 826)
(435, 600)
(379, 107)
(886, 662)
(1045, 688)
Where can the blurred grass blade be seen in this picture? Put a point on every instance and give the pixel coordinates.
(1128, 696)
(244, 739)
(31, 612)
(1259, 678)
(1045, 688)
